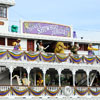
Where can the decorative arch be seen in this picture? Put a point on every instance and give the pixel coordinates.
(66, 77)
(94, 78)
(80, 78)
(4, 75)
(36, 77)
(81, 70)
(52, 77)
(18, 74)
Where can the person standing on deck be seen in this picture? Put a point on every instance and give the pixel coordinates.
(75, 48)
(41, 47)
(25, 80)
(91, 50)
(60, 47)
(17, 45)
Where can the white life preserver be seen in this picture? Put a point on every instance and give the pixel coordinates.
(68, 90)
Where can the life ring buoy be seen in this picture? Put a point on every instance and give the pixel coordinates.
(68, 90)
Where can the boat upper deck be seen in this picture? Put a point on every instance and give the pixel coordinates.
(30, 56)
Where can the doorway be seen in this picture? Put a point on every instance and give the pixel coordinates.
(30, 45)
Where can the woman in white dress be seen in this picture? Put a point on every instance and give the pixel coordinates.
(41, 47)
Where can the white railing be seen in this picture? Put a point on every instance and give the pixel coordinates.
(13, 55)
(25, 91)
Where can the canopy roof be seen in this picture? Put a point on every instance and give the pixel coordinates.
(7, 2)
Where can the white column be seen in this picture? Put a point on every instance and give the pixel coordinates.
(6, 41)
(28, 78)
(71, 27)
(11, 70)
(59, 72)
(35, 46)
(87, 78)
(28, 72)
(10, 78)
(21, 26)
(44, 72)
(59, 80)
(74, 78)
(35, 78)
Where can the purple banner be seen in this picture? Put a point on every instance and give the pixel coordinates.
(43, 28)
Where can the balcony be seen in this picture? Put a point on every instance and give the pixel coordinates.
(55, 62)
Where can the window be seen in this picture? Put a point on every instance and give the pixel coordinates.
(10, 42)
(3, 12)
(83, 47)
(2, 41)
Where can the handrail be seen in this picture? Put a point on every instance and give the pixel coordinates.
(53, 86)
(50, 91)
(50, 52)
(47, 57)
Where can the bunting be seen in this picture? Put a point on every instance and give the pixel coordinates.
(19, 92)
(32, 56)
(48, 58)
(52, 93)
(15, 54)
(89, 60)
(3, 93)
(2, 53)
(76, 59)
(95, 93)
(61, 58)
(81, 93)
(36, 93)
(49, 92)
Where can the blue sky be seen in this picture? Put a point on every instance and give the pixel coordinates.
(82, 15)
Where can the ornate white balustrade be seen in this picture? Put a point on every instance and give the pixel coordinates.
(47, 57)
(24, 91)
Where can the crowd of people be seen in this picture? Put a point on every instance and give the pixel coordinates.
(59, 48)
